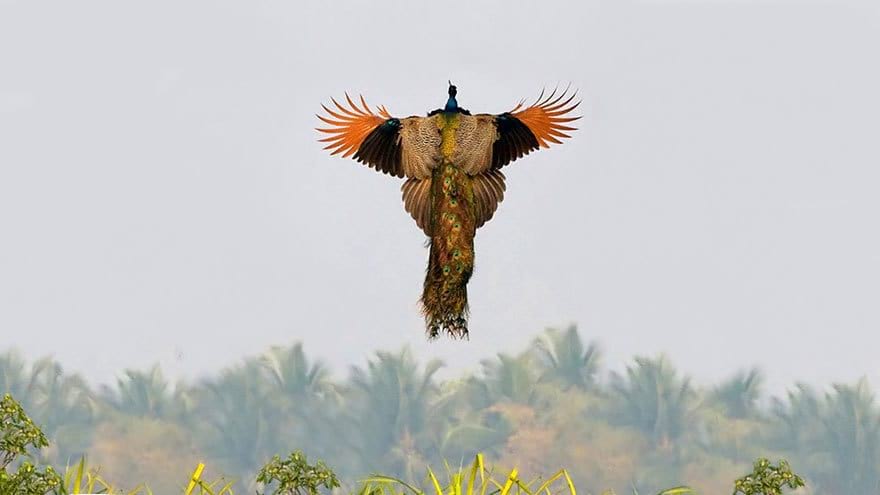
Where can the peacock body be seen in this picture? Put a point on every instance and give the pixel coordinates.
(451, 161)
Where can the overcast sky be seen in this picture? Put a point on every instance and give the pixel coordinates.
(163, 197)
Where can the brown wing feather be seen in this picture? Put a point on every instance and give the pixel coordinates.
(420, 143)
(417, 202)
(488, 192)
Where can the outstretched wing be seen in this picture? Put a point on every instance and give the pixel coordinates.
(371, 138)
(523, 130)
(484, 143)
(406, 147)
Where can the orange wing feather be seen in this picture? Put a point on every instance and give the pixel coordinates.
(546, 118)
(351, 126)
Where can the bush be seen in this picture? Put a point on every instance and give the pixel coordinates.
(295, 476)
(767, 479)
(18, 435)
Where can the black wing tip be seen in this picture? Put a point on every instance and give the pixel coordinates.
(380, 150)
(515, 140)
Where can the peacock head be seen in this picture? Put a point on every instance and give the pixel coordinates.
(452, 103)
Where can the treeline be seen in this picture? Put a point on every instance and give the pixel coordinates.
(539, 410)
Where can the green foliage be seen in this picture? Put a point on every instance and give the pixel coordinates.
(295, 476)
(19, 432)
(19, 435)
(475, 480)
(30, 480)
(767, 479)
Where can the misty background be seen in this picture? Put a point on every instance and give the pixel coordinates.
(163, 197)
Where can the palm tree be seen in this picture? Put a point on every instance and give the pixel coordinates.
(729, 425)
(836, 438)
(506, 378)
(294, 376)
(653, 399)
(484, 432)
(142, 394)
(61, 398)
(64, 407)
(232, 414)
(739, 395)
(797, 421)
(563, 358)
(303, 399)
(850, 440)
(392, 419)
(14, 379)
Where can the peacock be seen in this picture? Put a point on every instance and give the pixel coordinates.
(451, 161)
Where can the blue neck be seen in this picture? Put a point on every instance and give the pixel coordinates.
(451, 105)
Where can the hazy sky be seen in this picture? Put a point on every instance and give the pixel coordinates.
(163, 197)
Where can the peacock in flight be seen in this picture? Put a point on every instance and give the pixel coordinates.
(452, 162)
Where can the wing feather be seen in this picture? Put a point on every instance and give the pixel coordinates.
(523, 130)
(368, 137)
(546, 118)
(417, 202)
(488, 193)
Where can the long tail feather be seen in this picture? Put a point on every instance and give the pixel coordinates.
(444, 301)
(451, 258)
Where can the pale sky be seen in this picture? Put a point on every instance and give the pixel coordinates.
(163, 197)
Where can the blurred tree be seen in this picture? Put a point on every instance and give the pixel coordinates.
(739, 395)
(141, 394)
(505, 378)
(653, 399)
(563, 358)
(233, 423)
(484, 432)
(392, 419)
(65, 409)
(797, 421)
(15, 379)
(836, 438)
(850, 439)
(292, 375)
(304, 400)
